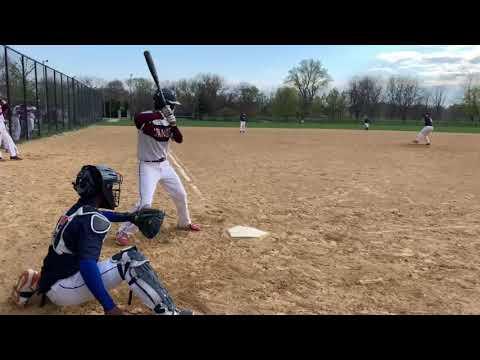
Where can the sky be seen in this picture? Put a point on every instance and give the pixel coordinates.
(265, 66)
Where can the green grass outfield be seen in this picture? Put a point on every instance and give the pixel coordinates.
(308, 125)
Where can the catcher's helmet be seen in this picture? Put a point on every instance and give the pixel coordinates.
(93, 180)
(170, 99)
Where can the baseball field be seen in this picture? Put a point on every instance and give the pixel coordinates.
(360, 222)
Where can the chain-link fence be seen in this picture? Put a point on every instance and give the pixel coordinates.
(42, 100)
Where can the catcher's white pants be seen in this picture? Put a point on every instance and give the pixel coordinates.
(243, 126)
(423, 134)
(149, 174)
(6, 139)
(73, 291)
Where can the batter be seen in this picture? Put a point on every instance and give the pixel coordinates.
(155, 129)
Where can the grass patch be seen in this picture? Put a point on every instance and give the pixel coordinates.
(307, 125)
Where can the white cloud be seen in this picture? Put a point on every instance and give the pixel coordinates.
(398, 56)
(434, 65)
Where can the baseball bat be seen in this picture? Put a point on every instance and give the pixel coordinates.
(153, 71)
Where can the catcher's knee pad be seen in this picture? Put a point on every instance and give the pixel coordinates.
(143, 281)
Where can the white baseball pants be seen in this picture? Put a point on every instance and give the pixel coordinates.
(6, 139)
(423, 134)
(74, 291)
(243, 126)
(149, 174)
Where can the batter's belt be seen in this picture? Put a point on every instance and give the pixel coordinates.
(155, 161)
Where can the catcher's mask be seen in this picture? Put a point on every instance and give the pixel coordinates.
(93, 180)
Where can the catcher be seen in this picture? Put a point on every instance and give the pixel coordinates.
(72, 273)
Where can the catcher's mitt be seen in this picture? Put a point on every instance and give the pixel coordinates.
(149, 221)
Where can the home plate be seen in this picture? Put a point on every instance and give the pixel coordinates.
(246, 232)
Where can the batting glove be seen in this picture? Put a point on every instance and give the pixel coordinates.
(168, 113)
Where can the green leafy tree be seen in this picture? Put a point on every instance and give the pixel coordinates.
(285, 103)
(336, 104)
(309, 77)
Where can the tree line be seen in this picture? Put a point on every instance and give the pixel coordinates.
(304, 95)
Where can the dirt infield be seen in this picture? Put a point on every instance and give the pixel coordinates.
(360, 222)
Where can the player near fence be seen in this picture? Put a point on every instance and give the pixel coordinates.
(5, 138)
(155, 129)
(426, 130)
(72, 273)
(243, 123)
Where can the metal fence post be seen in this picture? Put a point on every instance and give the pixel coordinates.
(68, 105)
(47, 113)
(36, 101)
(55, 98)
(7, 81)
(63, 103)
(25, 124)
(74, 103)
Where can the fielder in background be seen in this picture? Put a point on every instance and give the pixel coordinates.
(5, 138)
(366, 122)
(17, 113)
(426, 131)
(155, 129)
(72, 273)
(243, 123)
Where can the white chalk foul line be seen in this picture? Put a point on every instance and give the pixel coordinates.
(184, 174)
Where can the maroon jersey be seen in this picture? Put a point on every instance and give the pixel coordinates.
(154, 132)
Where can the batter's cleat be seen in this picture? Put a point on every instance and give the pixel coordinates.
(427, 144)
(415, 141)
(122, 239)
(2, 159)
(26, 287)
(190, 227)
(183, 312)
(15, 158)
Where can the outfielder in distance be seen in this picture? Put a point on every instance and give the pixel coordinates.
(243, 123)
(427, 130)
(155, 129)
(366, 122)
(72, 273)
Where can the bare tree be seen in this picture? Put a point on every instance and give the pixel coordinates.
(92, 81)
(425, 99)
(141, 94)
(438, 99)
(308, 78)
(402, 94)
(364, 95)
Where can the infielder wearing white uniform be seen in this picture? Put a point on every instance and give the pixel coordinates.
(5, 138)
(243, 123)
(155, 129)
(427, 130)
(72, 273)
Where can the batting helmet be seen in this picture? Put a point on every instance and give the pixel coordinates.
(93, 180)
(170, 99)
